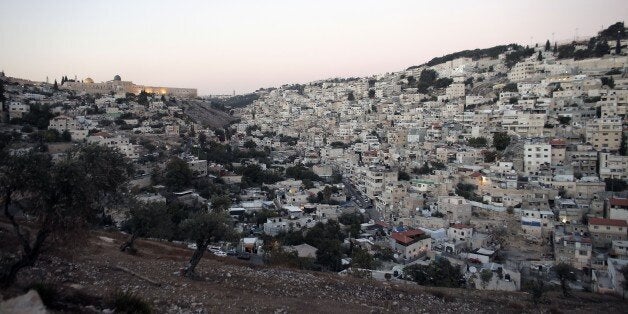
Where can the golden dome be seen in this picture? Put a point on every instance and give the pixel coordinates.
(88, 80)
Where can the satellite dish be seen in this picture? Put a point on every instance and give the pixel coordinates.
(473, 270)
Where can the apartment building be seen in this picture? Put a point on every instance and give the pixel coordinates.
(604, 231)
(604, 134)
(536, 156)
(613, 166)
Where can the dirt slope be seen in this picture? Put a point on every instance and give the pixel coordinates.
(92, 273)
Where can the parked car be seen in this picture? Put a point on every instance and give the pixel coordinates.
(244, 255)
(220, 253)
(192, 246)
(232, 252)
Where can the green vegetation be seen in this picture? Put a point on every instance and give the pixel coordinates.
(354, 221)
(253, 175)
(178, 175)
(238, 101)
(427, 169)
(467, 191)
(403, 176)
(426, 80)
(300, 172)
(501, 140)
(536, 287)
(474, 54)
(477, 142)
(565, 274)
(486, 275)
(39, 117)
(324, 196)
(151, 219)
(361, 258)
(510, 87)
(130, 303)
(564, 120)
(326, 237)
(615, 185)
(439, 273)
(67, 196)
(203, 228)
(597, 46)
(518, 55)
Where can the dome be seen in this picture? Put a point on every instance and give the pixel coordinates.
(88, 80)
(117, 78)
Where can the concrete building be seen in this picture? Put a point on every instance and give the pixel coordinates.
(604, 134)
(618, 208)
(410, 244)
(604, 231)
(62, 123)
(613, 166)
(457, 209)
(18, 109)
(198, 167)
(459, 232)
(376, 179)
(537, 223)
(536, 156)
(117, 85)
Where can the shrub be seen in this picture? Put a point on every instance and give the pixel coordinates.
(126, 302)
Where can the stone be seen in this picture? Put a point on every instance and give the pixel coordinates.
(29, 303)
(106, 239)
(76, 286)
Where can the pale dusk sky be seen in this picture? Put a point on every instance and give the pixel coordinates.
(222, 46)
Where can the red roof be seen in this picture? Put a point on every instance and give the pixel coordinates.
(407, 237)
(476, 175)
(623, 202)
(558, 142)
(607, 222)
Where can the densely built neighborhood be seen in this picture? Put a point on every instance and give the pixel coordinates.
(503, 162)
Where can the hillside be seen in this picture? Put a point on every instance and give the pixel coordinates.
(86, 279)
(203, 113)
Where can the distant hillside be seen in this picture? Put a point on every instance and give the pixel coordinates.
(474, 54)
(597, 46)
(207, 115)
(238, 101)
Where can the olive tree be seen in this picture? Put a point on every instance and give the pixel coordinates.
(565, 273)
(148, 219)
(56, 198)
(204, 228)
(486, 275)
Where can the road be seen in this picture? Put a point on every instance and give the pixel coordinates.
(362, 201)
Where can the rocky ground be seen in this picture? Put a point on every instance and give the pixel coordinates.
(204, 114)
(94, 270)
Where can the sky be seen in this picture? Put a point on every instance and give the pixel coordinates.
(221, 47)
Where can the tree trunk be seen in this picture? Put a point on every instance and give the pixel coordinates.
(27, 259)
(565, 287)
(188, 271)
(129, 243)
(30, 252)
